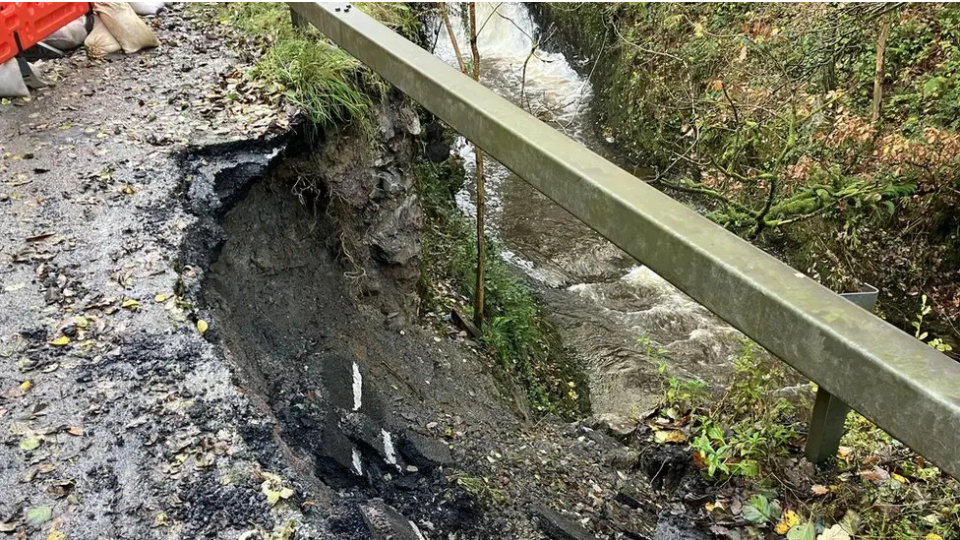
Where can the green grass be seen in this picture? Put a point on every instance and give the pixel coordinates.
(318, 78)
(397, 15)
(331, 87)
(526, 345)
(751, 439)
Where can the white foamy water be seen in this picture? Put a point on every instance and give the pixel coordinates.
(603, 300)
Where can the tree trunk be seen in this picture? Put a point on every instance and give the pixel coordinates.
(878, 76)
(481, 192)
(453, 37)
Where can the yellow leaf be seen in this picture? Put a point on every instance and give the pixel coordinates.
(132, 305)
(25, 386)
(714, 506)
(671, 436)
(160, 298)
(60, 341)
(202, 326)
(160, 520)
(56, 535)
(81, 321)
(932, 536)
(790, 519)
(900, 479)
(273, 497)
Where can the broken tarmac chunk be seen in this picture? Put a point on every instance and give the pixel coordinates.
(559, 527)
(385, 523)
(422, 451)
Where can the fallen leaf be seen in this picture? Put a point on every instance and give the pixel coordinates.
(131, 304)
(900, 479)
(818, 489)
(699, 460)
(8, 527)
(834, 533)
(850, 522)
(790, 520)
(875, 474)
(39, 237)
(805, 531)
(25, 386)
(56, 535)
(30, 443)
(39, 515)
(202, 326)
(672, 436)
(932, 536)
(160, 520)
(753, 514)
(845, 453)
(160, 298)
(272, 496)
(60, 489)
(61, 341)
(76, 431)
(714, 506)
(286, 493)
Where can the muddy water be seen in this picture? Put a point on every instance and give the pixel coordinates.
(620, 316)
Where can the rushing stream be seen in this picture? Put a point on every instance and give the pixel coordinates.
(603, 299)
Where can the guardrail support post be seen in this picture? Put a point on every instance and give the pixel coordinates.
(829, 413)
(297, 20)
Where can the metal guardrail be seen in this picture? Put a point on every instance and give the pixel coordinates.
(907, 388)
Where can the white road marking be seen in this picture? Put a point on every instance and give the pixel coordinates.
(357, 386)
(357, 464)
(388, 450)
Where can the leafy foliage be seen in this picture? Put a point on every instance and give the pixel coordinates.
(761, 115)
(747, 429)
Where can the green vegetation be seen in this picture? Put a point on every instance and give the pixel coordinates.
(775, 119)
(479, 488)
(746, 431)
(749, 441)
(399, 16)
(319, 78)
(329, 85)
(516, 330)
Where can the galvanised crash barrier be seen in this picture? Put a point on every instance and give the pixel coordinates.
(857, 360)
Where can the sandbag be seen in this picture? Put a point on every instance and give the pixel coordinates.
(70, 36)
(130, 31)
(11, 82)
(146, 8)
(100, 42)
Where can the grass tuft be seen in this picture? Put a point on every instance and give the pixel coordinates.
(331, 87)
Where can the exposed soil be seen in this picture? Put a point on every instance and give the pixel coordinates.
(136, 198)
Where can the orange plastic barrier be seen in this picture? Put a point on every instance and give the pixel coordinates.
(24, 24)
(8, 25)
